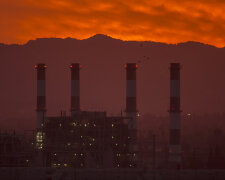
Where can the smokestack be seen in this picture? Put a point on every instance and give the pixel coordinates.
(41, 91)
(41, 112)
(75, 88)
(175, 147)
(131, 105)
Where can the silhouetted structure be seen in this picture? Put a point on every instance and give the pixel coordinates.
(86, 139)
(175, 147)
(131, 108)
(75, 88)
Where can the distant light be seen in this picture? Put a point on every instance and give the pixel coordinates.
(188, 114)
(112, 125)
(138, 115)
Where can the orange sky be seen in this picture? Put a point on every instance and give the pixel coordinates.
(169, 21)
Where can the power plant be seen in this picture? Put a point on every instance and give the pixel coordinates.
(86, 139)
(93, 139)
(92, 144)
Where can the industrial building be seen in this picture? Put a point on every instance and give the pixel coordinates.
(86, 139)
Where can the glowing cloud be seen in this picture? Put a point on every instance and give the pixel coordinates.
(170, 21)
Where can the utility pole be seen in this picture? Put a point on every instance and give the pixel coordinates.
(153, 155)
(153, 151)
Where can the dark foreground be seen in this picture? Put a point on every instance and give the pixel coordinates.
(107, 174)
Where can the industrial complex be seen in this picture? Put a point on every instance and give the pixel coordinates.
(89, 139)
(91, 143)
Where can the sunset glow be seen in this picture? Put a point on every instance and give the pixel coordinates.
(170, 21)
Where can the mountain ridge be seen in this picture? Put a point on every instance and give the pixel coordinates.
(106, 37)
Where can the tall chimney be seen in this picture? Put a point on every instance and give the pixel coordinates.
(41, 113)
(175, 146)
(75, 88)
(131, 107)
(41, 91)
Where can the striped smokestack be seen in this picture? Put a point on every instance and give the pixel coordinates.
(175, 147)
(131, 106)
(41, 91)
(75, 88)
